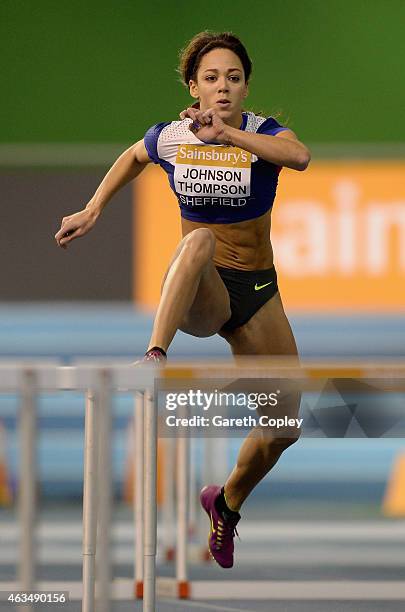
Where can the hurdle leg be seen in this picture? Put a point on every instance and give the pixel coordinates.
(192, 485)
(27, 502)
(208, 477)
(138, 491)
(90, 503)
(105, 494)
(168, 510)
(150, 502)
(182, 517)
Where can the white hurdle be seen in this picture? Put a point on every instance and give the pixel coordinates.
(138, 498)
(168, 507)
(182, 460)
(28, 378)
(90, 503)
(105, 493)
(150, 502)
(98, 383)
(141, 381)
(28, 479)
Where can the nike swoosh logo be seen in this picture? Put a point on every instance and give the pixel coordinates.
(258, 287)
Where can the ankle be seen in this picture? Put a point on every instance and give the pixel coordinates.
(224, 508)
(231, 504)
(158, 349)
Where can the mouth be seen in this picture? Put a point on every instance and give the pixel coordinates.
(223, 103)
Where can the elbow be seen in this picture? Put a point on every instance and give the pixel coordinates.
(302, 161)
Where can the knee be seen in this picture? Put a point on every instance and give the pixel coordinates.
(280, 443)
(285, 443)
(199, 246)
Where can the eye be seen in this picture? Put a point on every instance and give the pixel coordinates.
(210, 77)
(235, 78)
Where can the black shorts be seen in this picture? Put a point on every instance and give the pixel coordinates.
(248, 291)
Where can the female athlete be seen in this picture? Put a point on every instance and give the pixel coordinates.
(223, 165)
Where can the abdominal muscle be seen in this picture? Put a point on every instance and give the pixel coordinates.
(242, 246)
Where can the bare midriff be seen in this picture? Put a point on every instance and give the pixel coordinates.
(242, 246)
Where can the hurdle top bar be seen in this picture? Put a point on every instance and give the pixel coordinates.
(51, 376)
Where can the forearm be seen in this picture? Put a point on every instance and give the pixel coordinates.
(124, 170)
(273, 149)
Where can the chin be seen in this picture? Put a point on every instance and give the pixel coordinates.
(225, 112)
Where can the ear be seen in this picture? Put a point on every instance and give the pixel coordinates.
(246, 93)
(193, 89)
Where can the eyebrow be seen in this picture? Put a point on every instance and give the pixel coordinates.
(216, 69)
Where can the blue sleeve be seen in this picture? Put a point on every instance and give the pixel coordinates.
(271, 127)
(151, 140)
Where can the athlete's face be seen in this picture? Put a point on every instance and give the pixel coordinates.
(220, 83)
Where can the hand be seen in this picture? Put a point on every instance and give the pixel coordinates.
(207, 125)
(74, 226)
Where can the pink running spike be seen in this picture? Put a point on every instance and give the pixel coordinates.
(222, 532)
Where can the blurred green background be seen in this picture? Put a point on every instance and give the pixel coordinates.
(105, 71)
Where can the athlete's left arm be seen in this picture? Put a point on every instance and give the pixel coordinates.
(283, 149)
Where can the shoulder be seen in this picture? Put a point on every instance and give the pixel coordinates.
(162, 136)
(169, 129)
(151, 138)
(263, 125)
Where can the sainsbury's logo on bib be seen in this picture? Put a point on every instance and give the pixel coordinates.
(212, 175)
(206, 155)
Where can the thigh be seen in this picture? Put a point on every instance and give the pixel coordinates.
(268, 332)
(211, 305)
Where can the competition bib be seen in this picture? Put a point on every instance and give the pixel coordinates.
(207, 174)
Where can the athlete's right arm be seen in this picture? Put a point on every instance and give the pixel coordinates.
(127, 167)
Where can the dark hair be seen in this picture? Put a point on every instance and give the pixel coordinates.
(202, 43)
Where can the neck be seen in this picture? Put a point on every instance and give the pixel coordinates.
(234, 121)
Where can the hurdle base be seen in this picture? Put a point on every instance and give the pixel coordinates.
(172, 588)
(138, 590)
(195, 554)
(170, 554)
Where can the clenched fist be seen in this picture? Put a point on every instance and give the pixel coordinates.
(74, 226)
(207, 125)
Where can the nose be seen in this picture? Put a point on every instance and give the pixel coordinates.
(222, 84)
